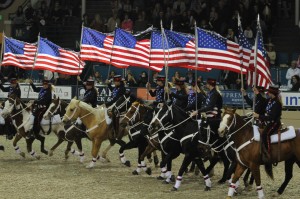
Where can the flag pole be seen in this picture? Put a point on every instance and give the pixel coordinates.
(149, 64)
(2, 49)
(242, 76)
(77, 82)
(196, 64)
(255, 59)
(163, 36)
(36, 54)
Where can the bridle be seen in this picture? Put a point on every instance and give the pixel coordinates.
(56, 109)
(119, 107)
(132, 119)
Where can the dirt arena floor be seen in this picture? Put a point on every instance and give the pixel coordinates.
(55, 177)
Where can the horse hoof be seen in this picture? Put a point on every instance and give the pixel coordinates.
(197, 172)
(38, 157)
(135, 172)
(50, 153)
(44, 152)
(156, 161)
(248, 188)
(222, 181)
(89, 166)
(103, 160)
(172, 178)
(275, 195)
(2, 148)
(149, 171)
(228, 197)
(127, 163)
(159, 178)
(150, 160)
(81, 159)
(207, 188)
(174, 189)
(165, 182)
(191, 170)
(22, 154)
(67, 157)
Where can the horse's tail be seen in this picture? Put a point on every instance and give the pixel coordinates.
(269, 170)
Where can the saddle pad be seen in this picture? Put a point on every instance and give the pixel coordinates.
(55, 120)
(199, 122)
(2, 121)
(107, 118)
(287, 135)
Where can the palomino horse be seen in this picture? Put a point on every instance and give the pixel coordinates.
(94, 120)
(21, 114)
(248, 149)
(73, 133)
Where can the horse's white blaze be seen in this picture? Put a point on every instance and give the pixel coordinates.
(48, 110)
(8, 107)
(223, 124)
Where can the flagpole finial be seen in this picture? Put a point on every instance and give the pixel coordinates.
(116, 25)
(239, 20)
(171, 28)
(161, 24)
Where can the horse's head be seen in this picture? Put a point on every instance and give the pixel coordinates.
(161, 119)
(132, 116)
(227, 121)
(72, 111)
(123, 104)
(54, 106)
(9, 105)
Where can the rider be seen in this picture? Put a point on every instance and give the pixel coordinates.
(196, 93)
(13, 89)
(41, 104)
(118, 91)
(179, 97)
(159, 91)
(91, 94)
(260, 99)
(212, 106)
(271, 118)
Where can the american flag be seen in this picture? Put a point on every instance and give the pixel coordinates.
(172, 47)
(95, 46)
(56, 59)
(128, 50)
(215, 51)
(18, 53)
(263, 76)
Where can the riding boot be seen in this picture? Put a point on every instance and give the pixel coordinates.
(264, 149)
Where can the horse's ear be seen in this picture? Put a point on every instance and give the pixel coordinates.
(57, 97)
(75, 98)
(233, 110)
(225, 108)
(54, 96)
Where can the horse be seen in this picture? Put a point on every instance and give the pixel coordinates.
(95, 121)
(247, 145)
(23, 121)
(70, 133)
(186, 134)
(135, 119)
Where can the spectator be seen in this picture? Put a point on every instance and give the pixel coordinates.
(142, 81)
(19, 17)
(140, 24)
(127, 24)
(127, 7)
(98, 24)
(229, 78)
(153, 80)
(295, 83)
(293, 70)
(85, 20)
(43, 11)
(97, 77)
(57, 14)
(179, 5)
(29, 12)
(112, 22)
(51, 76)
(230, 36)
(175, 77)
(190, 77)
(271, 54)
(248, 32)
(111, 75)
(130, 80)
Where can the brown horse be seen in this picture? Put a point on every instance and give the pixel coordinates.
(248, 150)
(95, 122)
(21, 114)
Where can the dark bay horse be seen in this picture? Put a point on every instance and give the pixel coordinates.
(186, 134)
(21, 114)
(70, 133)
(248, 150)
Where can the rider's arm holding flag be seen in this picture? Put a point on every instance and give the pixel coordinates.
(118, 91)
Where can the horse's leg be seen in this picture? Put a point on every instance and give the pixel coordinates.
(17, 148)
(29, 148)
(42, 140)
(288, 168)
(163, 168)
(226, 164)
(202, 169)
(169, 176)
(155, 159)
(142, 144)
(96, 144)
(104, 153)
(59, 141)
(149, 149)
(79, 146)
(185, 163)
(237, 174)
(131, 144)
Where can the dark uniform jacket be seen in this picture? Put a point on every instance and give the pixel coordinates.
(179, 98)
(260, 103)
(273, 111)
(90, 97)
(158, 93)
(117, 92)
(45, 95)
(213, 104)
(191, 105)
(11, 90)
